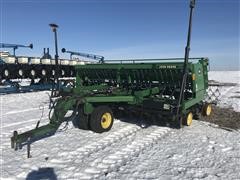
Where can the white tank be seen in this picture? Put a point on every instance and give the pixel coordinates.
(53, 62)
(35, 60)
(88, 62)
(80, 62)
(46, 61)
(9, 59)
(22, 60)
(4, 53)
(64, 62)
(72, 62)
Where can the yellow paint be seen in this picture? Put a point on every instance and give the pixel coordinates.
(106, 120)
(189, 119)
(209, 110)
(193, 77)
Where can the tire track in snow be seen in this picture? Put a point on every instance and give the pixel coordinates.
(101, 166)
(58, 135)
(101, 144)
(68, 157)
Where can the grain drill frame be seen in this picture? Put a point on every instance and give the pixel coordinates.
(170, 89)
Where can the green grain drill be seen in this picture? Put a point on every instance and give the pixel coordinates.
(172, 90)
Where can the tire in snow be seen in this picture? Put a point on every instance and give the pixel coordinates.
(44, 72)
(101, 119)
(207, 109)
(33, 73)
(20, 72)
(81, 119)
(6, 73)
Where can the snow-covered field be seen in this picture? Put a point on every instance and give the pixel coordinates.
(201, 151)
(230, 95)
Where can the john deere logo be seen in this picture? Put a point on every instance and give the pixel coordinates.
(167, 67)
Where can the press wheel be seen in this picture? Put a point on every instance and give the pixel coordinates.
(187, 120)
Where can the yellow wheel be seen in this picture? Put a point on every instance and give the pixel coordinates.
(187, 121)
(207, 110)
(101, 119)
(106, 120)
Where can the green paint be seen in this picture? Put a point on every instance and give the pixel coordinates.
(128, 84)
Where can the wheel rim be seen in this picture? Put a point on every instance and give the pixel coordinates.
(209, 110)
(106, 120)
(189, 119)
(6, 73)
(20, 72)
(33, 72)
(43, 72)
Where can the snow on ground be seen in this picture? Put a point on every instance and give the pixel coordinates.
(230, 95)
(225, 76)
(201, 151)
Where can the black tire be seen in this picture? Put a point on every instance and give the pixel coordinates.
(101, 119)
(6, 73)
(53, 72)
(196, 116)
(1, 78)
(176, 123)
(20, 73)
(81, 120)
(71, 73)
(63, 73)
(33, 73)
(43, 72)
(118, 114)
